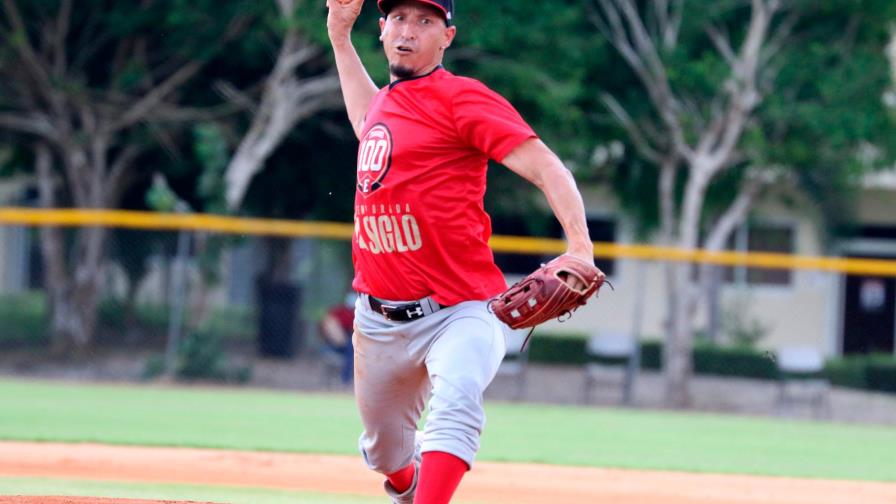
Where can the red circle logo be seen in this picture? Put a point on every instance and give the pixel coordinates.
(374, 158)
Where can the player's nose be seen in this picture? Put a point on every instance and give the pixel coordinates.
(408, 31)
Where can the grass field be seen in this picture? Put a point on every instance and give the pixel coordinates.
(244, 419)
(231, 495)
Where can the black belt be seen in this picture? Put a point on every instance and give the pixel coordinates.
(403, 312)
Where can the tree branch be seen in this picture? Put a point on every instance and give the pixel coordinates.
(33, 123)
(235, 96)
(175, 114)
(117, 171)
(32, 62)
(636, 135)
(43, 166)
(284, 103)
(738, 210)
(154, 97)
(63, 21)
(720, 41)
(623, 27)
(780, 37)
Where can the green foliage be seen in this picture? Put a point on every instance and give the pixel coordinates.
(210, 148)
(151, 317)
(875, 372)
(7, 152)
(23, 319)
(231, 323)
(652, 355)
(160, 197)
(708, 359)
(201, 357)
(882, 373)
(741, 328)
(154, 367)
(847, 372)
(869, 372)
(733, 361)
(557, 349)
(820, 113)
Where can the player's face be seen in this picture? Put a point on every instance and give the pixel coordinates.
(414, 38)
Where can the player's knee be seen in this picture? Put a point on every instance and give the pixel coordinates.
(456, 417)
(385, 454)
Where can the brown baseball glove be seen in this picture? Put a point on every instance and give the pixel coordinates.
(547, 294)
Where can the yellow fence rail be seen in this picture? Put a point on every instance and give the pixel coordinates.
(342, 231)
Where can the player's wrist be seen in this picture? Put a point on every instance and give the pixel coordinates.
(340, 38)
(583, 250)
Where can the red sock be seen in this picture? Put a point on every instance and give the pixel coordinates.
(401, 479)
(440, 474)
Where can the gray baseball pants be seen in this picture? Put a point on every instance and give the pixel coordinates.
(453, 354)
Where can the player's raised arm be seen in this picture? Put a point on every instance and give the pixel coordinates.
(535, 162)
(358, 89)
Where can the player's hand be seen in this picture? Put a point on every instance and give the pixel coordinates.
(585, 255)
(342, 16)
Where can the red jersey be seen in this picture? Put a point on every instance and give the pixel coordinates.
(420, 225)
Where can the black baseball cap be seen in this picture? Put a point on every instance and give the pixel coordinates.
(446, 6)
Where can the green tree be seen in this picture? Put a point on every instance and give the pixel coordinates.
(91, 85)
(732, 98)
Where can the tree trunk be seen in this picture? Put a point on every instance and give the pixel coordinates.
(711, 281)
(73, 298)
(73, 292)
(677, 354)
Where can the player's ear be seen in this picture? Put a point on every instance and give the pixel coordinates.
(382, 27)
(450, 33)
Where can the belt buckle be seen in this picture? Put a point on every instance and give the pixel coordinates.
(402, 313)
(386, 310)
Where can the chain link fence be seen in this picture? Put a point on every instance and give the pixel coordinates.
(162, 291)
(191, 301)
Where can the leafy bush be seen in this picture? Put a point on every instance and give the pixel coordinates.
(24, 319)
(881, 373)
(557, 349)
(870, 372)
(652, 355)
(201, 356)
(154, 367)
(847, 372)
(111, 314)
(733, 361)
(741, 328)
(708, 359)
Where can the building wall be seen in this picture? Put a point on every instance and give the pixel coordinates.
(806, 312)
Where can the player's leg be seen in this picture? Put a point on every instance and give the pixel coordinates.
(390, 391)
(461, 363)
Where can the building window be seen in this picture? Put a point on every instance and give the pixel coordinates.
(518, 225)
(774, 238)
(603, 229)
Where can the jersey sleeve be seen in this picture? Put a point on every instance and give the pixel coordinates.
(487, 121)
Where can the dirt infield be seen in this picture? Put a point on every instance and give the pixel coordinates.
(83, 500)
(497, 483)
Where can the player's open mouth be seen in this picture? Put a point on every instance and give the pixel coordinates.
(404, 49)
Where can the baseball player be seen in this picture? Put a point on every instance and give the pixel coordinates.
(423, 268)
